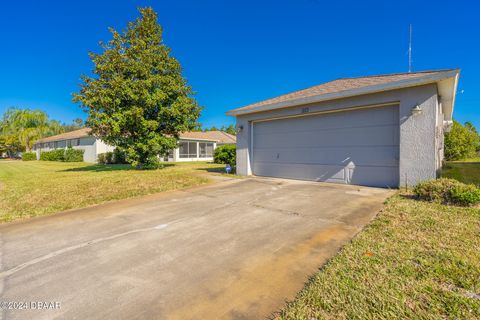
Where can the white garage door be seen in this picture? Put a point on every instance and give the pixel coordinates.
(353, 147)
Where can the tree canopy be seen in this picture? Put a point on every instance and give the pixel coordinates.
(20, 128)
(228, 129)
(137, 98)
(461, 142)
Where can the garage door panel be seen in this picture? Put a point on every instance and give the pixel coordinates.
(374, 176)
(365, 136)
(358, 147)
(316, 172)
(366, 156)
(361, 175)
(335, 121)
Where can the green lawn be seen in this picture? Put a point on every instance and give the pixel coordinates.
(36, 188)
(467, 171)
(416, 260)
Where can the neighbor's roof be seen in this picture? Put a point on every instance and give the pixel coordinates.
(218, 136)
(80, 133)
(347, 87)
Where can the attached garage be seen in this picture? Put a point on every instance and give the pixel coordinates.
(352, 147)
(382, 131)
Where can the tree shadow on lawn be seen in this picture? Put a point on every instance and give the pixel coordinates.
(214, 169)
(110, 167)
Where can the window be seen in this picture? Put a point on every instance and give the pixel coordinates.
(78, 142)
(206, 149)
(188, 149)
(69, 143)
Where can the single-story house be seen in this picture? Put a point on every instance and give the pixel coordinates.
(77, 139)
(383, 131)
(192, 146)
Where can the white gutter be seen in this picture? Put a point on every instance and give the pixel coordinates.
(348, 93)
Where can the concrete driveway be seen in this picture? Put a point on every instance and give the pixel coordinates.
(236, 250)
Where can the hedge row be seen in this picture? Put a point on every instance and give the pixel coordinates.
(29, 156)
(65, 155)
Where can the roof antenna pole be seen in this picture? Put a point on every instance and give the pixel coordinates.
(410, 51)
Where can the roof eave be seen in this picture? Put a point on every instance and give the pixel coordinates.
(448, 103)
(349, 93)
(61, 139)
(199, 139)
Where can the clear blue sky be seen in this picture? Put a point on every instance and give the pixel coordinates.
(238, 52)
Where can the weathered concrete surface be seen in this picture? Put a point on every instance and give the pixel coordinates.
(235, 250)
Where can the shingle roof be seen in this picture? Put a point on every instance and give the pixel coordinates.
(342, 84)
(80, 133)
(218, 136)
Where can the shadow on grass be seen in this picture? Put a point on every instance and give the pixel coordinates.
(109, 167)
(214, 169)
(409, 196)
(463, 163)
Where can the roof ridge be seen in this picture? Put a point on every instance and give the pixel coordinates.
(396, 74)
(225, 133)
(346, 78)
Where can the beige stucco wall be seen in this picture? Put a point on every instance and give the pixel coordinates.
(418, 144)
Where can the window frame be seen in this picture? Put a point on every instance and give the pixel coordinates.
(191, 152)
(206, 146)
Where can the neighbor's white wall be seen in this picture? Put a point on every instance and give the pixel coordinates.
(100, 147)
(87, 144)
(417, 133)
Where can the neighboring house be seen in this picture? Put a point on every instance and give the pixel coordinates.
(77, 139)
(384, 131)
(193, 146)
(199, 145)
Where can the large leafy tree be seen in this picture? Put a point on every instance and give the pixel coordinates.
(461, 142)
(20, 128)
(137, 98)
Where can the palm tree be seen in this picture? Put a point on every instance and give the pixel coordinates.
(26, 126)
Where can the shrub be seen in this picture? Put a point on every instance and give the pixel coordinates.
(109, 157)
(447, 191)
(152, 163)
(101, 158)
(68, 155)
(115, 157)
(54, 155)
(119, 156)
(73, 155)
(226, 154)
(465, 194)
(29, 156)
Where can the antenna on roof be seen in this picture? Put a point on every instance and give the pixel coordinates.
(410, 51)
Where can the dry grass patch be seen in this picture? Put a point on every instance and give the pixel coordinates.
(37, 188)
(416, 260)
